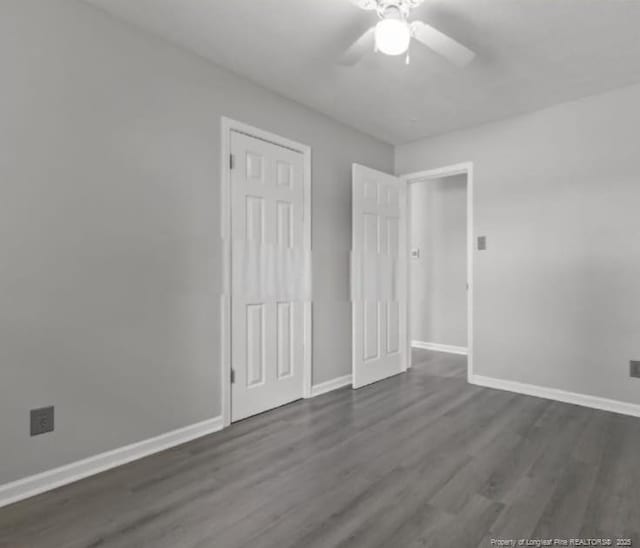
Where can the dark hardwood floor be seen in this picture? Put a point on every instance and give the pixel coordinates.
(422, 459)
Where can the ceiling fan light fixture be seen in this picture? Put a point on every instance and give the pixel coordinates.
(393, 36)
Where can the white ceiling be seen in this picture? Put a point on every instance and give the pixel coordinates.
(531, 54)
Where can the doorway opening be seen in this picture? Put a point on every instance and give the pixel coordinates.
(440, 272)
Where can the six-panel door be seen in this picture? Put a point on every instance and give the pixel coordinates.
(267, 276)
(379, 265)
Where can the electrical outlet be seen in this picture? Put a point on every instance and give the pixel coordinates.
(482, 243)
(42, 421)
(634, 369)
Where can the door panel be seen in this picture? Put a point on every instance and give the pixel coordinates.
(267, 232)
(379, 263)
(285, 340)
(255, 345)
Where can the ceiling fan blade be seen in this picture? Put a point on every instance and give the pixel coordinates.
(442, 44)
(359, 48)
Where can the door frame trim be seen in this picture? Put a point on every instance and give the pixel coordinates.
(464, 168)
(227, 126)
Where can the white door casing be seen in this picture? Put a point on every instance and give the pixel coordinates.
(269, 275)
(378, 273)
(465, 168)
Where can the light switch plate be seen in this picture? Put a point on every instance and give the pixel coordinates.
(415, 253)
(482, 243)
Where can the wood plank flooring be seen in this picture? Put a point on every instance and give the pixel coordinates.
(422, 459)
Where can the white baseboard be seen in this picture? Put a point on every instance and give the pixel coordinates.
(440, 347)
(585, 400)
(328, 386)
(69, 473)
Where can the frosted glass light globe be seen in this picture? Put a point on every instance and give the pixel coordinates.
(393, 36)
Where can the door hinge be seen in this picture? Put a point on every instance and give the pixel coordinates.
(233, 376)
(231, 161)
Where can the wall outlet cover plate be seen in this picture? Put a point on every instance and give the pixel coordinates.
(42, 420)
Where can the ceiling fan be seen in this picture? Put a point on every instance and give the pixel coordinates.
(393, 33)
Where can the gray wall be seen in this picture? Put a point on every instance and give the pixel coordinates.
(110, 230)
(557, 193)
(438, 228)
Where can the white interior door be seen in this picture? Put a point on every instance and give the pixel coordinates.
(268, 275)
(379, 272)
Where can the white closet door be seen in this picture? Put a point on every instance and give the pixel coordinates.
(267, 311)
(379, 272)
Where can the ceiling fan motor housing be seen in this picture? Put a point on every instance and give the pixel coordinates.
(390, 8)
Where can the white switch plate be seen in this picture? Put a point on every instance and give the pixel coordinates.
(415, 253)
